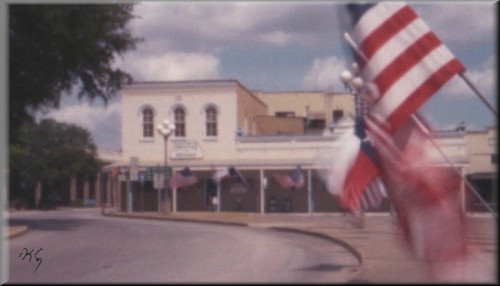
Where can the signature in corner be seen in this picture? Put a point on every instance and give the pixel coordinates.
(29, 253)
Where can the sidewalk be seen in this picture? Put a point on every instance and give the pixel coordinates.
(15, 231)
(377, 242)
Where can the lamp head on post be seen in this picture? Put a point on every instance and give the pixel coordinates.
(346, 77)
(165, 128)
(351, 80)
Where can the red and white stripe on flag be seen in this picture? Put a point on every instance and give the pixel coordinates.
(180, 179)
(404, 60)
(373, 195)
(362, 172)
(286, 182)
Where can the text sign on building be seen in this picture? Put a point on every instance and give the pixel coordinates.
(186, 150)
(122, 176)
(165, 170)
(158, 181)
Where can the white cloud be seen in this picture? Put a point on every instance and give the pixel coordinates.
(172, 66)
(324, 74)
(460, 24)
(198, 26)
(102, 123)
(277, 38)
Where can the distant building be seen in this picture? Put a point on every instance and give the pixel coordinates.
(221, 124)
(482, 168)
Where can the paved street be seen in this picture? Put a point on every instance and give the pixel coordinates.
(377, 244)
(83, 246)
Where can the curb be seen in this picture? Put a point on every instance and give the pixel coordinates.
(181, 220)
(17, 231)
(344, 244)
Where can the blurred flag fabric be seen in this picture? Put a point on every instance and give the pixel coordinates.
(292, 180)
(426, 197)
(229, 173)
(363, 170)
(403, 64)
(183, 178)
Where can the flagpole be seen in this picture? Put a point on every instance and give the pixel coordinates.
(476, 91)
(422, 127)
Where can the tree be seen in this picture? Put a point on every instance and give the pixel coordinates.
(50, 152)
(53, 48)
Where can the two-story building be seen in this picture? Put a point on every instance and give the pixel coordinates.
(220, 124)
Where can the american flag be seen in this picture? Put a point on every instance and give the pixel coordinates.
(404, 64)
(364, 169)
(183, 178)
(229, 173)
(402, 59)
(425, 197)
(373, 195)
(293, 179)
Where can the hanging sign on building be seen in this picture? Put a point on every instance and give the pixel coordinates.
(186, 150)
(123, 171)
(158, 181)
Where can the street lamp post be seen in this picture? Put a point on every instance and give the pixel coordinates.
(165, 129)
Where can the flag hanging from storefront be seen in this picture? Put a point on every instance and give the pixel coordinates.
(292, 180)
(183, 178)
(229, 173)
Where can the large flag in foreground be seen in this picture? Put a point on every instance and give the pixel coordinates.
(402, 59)
(403, 64)
(426, 197)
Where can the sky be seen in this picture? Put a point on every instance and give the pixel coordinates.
(286, 46)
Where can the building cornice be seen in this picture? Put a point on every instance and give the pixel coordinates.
(195, 84)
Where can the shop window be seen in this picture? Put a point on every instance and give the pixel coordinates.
(285, 114)
(337, 115)
(317, 124)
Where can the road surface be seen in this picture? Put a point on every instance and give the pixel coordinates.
(79, 246)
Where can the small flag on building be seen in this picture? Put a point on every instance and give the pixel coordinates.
(183, 178)
(230, 173)
(292, 180)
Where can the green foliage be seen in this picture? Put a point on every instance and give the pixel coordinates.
(52, 48)
(50, 152)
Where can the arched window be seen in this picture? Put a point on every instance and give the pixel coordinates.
(211, 121)
(180, 122)
(147, 123)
